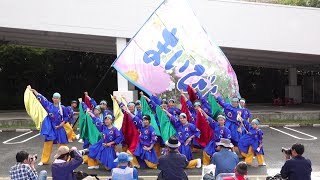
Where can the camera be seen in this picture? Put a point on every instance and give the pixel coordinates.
(82, 152)
(275, 177)
(286, 151)
(33, 157)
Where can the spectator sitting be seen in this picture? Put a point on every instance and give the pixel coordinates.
(240, 171)
(61, 168)
(297, 168)
(24, 169)
(225, 160)
(172, 164)
(123, 171)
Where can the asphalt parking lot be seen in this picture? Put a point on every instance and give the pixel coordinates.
(274, 139)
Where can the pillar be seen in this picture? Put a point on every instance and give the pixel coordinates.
(293, 91)
(292, 76)
(122, 82)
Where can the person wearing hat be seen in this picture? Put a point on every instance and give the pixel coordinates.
(225, 160)
(62, 168)
(173, 164)
(147, 139)
(104, 149)
(186, 132)
(52, 126)
(219, 131)
(250, 144)
(123, 171)
(232, 112)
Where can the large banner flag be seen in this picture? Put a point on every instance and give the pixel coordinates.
(171, 51)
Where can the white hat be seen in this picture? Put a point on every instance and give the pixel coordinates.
(62, 150)
(225, 142)
(173, 142)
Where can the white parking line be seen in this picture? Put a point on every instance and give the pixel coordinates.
(308, 139)
(19, 142)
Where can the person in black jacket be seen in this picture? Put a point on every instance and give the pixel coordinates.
(298, 167)
(172, 164)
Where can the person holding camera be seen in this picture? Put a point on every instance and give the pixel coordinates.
(25, 168)
(61, 168)
(296, 166)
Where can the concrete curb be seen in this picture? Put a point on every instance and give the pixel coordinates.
(17, 130)
(261, 126)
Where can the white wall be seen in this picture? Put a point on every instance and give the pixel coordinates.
(231, 23)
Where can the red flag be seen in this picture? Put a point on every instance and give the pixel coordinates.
(192, 94)
(130, 133)
(87, 102)
(184, 108)
(204, 127)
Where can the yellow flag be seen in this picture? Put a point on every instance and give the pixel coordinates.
(34, 108)
(118, 115)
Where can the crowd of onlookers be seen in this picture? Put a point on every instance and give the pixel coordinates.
(172, 165)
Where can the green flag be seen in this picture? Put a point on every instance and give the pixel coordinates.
(167, 129)
(88, 130)
(216, 110)
(146, 110)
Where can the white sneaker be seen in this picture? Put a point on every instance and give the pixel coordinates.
(263, 164)
(40, 164)
(93, 167)
(198, 163)
(80, 141)
(78, 136)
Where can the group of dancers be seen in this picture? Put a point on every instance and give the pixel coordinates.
(234, 124)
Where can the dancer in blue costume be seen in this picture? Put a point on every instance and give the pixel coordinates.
(68, 122)
(103, 105)
(185, 133)
(245, 112)
(250, 144)
(191, 109)
(203, 103)
(104, 150)
(138, 110)
(52, 126)
(172, 109)
(232, 111)
(153, 105)
(92, 163)
(147, 140)
(219, 131)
